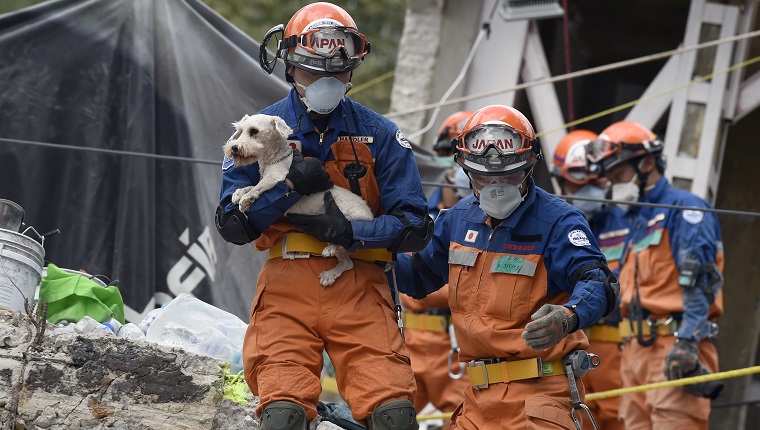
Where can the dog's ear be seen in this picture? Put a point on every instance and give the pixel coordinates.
(238, 131)
(279, 125)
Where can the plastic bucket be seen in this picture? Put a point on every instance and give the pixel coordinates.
(22, 241)
(19, 278)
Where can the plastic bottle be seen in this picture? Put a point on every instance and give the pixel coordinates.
(132, 332)
(113, 324)
(88, 324)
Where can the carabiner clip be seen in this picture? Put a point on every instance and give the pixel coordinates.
(454, 350)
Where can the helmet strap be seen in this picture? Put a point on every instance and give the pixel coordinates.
(642, 177)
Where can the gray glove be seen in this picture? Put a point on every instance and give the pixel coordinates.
(551, 323)
(682, 360)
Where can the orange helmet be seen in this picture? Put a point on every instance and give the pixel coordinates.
(497, 140)
(570, 157)
(450, 129)
(322, 38)
(624, 141)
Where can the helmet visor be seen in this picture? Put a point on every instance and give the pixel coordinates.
(500, 137)
(345, 42)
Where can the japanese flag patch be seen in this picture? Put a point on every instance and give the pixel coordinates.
(471, 236)
(578, 238)
(401, 139)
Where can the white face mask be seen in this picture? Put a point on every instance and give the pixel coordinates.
(499, 200)
(592, 192)
(323, 95)
(626, 192)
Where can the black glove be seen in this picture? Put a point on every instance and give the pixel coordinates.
(308, 175)
(551, 323)
(682, 360)
(331, 227)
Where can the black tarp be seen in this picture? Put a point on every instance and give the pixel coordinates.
(163, 77)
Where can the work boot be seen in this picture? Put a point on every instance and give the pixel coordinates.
(395, 415)
(283, 415)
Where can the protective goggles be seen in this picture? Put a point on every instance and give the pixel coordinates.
(512, 178)
(502, 138)
(345, 42)
(577, 174)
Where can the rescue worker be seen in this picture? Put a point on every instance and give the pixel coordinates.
(446, 197)
(525, 275)
(294, 318)
(610, 230)
(440, 379)
(670, 282)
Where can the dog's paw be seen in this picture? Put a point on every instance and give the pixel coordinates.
(239, 193)
(328, 277)
(330, 250)
(245, 203)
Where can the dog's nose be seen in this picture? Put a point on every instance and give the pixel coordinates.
(235, 149)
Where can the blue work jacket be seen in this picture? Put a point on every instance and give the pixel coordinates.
(395, 169)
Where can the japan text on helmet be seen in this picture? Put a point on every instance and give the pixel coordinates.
(322, 38)
(621, 142)
(451, 128)
(497, 140)
(569, 162)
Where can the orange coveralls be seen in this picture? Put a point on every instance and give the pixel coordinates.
(293, 318)
(429, 350)
(650, 271)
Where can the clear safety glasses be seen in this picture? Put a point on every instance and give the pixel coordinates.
(501, 137)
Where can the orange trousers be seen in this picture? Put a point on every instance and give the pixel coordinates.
(293, 318)
(604, 378)
(665, 408)
(429, 351)
(531, 404)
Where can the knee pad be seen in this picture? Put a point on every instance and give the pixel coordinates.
(395, 415)
(283, 415)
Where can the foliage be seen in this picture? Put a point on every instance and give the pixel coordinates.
(11, 5)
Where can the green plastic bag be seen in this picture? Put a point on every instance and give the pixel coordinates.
(71, 296)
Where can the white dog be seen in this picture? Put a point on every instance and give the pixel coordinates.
(263, 139)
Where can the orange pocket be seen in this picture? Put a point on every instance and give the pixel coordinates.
(510, 286)
(540, 411)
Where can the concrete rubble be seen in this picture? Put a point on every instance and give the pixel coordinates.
(67, 380)
(92, 381)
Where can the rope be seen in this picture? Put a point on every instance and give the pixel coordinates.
(573, 75)
(372, 82)
(651, 97)
(646, 387)
(654, 205)
(675, 383)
